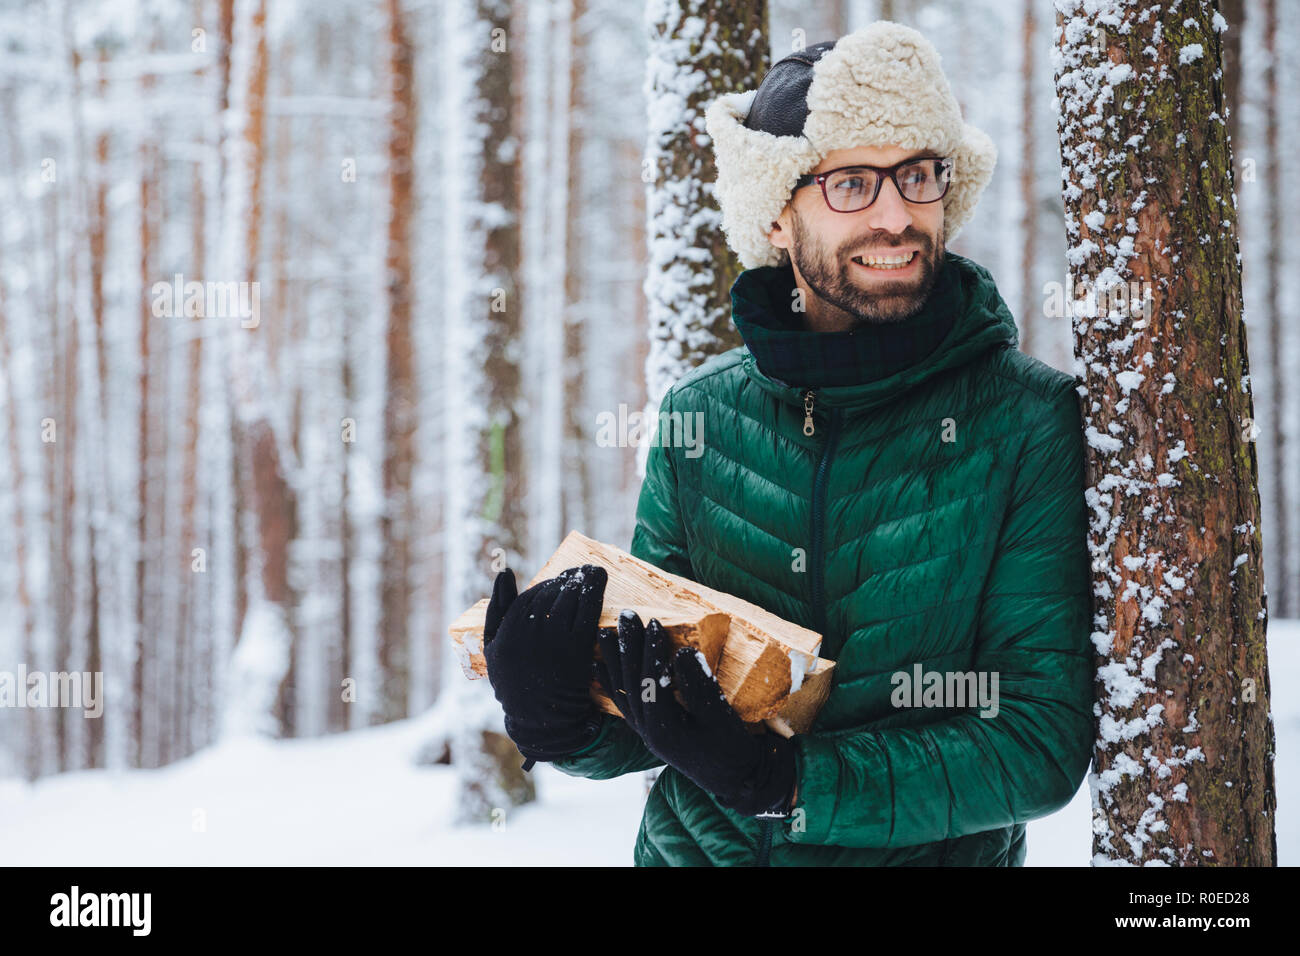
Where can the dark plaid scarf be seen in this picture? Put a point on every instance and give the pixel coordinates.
(762, 302)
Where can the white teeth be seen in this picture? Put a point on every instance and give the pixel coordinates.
(886, 262)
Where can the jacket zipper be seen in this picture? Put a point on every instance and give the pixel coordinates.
(817, 561)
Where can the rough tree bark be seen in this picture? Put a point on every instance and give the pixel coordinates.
(487, 519)
(1183, 765)
(698, 52)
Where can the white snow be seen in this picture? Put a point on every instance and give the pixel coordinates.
(1129, 380)
(354, 798)
(799, 663)
(358, 799)
(704, 663)
(1102, 442)
(1118, 73)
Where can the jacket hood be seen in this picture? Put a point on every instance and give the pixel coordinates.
(983, 322)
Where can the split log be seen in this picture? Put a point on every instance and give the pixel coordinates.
(767, 667)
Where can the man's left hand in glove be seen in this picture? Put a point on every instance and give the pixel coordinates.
(538, 647)
(707, 741)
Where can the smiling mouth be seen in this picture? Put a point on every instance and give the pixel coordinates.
(886, 263)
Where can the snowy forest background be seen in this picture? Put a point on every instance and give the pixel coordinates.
(261, 529)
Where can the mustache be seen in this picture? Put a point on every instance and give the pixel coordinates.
(887, 240)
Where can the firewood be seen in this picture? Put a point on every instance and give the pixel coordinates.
(767, 667)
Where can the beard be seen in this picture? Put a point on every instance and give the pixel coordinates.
(830, 274)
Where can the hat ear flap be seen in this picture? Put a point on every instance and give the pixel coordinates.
(756, 175)
(973, 162)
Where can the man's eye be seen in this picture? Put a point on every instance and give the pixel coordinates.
(851, 184)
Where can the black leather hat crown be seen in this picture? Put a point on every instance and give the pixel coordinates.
(781, 106)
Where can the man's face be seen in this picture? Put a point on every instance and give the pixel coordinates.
(831, 251)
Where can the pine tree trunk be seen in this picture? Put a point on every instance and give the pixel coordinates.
(400, 405)
(226, 27)
(145, 674)
(96, 235)
(689, 293)
(24, 612)
(1028, 169)
(548, 35)
(488, 515)
(268, 667)
(577, 438)
(1184, 756)
(192, 584)
(341, 713)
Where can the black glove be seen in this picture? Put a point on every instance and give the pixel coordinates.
(538, 648)
(750, 773)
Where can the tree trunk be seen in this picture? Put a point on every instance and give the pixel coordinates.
(400, 405)
(264, 656)
(192, 583)
(26, 624)
(226, 28)
(691, 269)
(145, 673)
(341, 713)
(485, 481)
(1184, 756)
(96, 234)
(576, 493)
(1029, 213)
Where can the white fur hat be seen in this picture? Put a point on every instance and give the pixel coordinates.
(880, 85)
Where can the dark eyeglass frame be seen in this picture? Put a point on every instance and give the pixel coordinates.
(883, 173)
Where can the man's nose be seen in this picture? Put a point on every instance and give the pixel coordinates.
(889, 212)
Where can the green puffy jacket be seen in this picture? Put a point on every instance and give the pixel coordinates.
(941, 515)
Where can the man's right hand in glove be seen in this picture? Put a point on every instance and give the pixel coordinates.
(539, 648)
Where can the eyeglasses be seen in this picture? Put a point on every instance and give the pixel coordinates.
(853, 188)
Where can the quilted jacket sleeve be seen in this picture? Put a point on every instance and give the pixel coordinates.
(966, 773)
(660, 535)
(659, 538)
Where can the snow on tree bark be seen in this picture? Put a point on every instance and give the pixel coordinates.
(1183, 763)
(484, 519)
(261, 659)
(697, 52)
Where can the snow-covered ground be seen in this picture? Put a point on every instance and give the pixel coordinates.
(359, 798)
